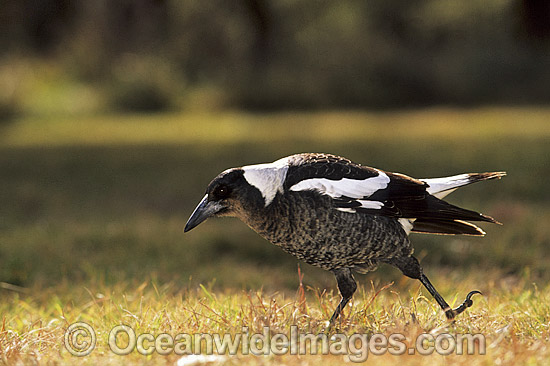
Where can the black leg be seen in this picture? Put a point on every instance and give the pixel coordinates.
(449, 313)
(347, 287)
(411, 268)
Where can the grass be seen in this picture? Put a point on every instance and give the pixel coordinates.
(513, 318)
(444, 124)
(92, 212)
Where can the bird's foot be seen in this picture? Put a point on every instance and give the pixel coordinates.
(333, 324)
(452, 313)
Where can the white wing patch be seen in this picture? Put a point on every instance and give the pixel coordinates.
(352, 188)
(377, 205)
(364, 204)
(345, 187)
(268, 178)
(346, 209)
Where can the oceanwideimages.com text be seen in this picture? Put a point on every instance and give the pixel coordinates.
(80, 340)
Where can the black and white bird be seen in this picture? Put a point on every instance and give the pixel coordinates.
(342, 216)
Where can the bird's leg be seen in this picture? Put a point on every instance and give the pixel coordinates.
(347, 287)
(411, 268)
(449, 312)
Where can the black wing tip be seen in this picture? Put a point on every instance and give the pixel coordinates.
(475, 230)
(447, 227)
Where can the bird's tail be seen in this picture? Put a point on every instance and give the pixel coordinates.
(454, 220)
(441, 187)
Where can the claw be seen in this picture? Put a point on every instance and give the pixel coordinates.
(470, 294)
(451, 313)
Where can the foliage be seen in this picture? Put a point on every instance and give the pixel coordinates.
(281, 54)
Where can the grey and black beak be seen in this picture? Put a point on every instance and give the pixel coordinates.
(204, 210)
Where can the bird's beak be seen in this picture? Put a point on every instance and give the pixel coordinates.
(204, 210)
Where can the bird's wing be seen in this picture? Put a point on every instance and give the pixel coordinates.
(355, 189)
(349, 184)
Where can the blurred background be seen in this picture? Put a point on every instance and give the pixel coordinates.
(61, 56)
(115, 115)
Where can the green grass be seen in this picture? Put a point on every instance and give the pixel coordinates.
(92, 212)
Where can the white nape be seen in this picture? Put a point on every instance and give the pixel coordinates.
(267, 178)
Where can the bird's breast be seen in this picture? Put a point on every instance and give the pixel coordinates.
(306, 225)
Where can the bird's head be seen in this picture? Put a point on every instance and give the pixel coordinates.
(229, 194)
(241, 192)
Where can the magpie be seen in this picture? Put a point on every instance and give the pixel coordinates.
(342, 216)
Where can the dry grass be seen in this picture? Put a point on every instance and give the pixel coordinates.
(513, 317)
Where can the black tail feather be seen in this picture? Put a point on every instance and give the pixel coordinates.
(447, 227)
(434, 209)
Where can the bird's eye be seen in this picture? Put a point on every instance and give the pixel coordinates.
(221, 191)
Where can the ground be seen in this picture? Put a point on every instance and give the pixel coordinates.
(92, 211)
